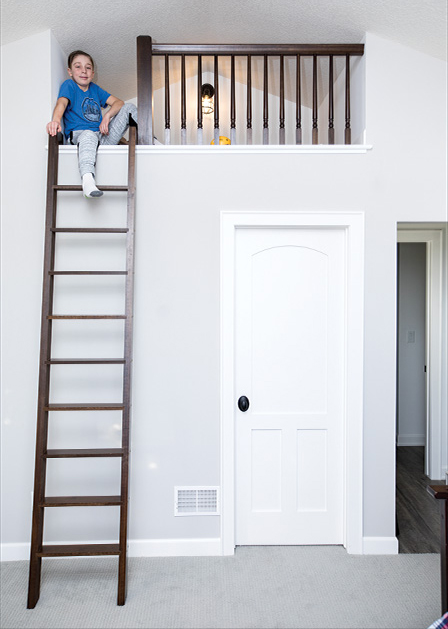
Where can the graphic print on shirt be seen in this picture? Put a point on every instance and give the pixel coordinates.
(91, 110)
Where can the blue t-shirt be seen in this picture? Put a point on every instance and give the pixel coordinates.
(84, 108)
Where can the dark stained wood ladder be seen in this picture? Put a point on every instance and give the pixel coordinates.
(41, 501)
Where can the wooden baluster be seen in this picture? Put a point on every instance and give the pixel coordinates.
(348, 131)
(232, 101)
(315, 139)
(183, 105)
(249, 100)
(167, 101)
(144, 90)
(265, 103)
(216, 109)
(298, 101)
(330, 104)
(200, 132)
(281, 132)
(440, 492)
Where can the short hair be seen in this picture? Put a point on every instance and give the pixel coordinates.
(76, 53)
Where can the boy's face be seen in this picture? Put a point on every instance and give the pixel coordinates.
(81, 71)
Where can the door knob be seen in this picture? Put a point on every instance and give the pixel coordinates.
(243, 403)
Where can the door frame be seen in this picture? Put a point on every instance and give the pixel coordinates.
(353, 225)
(433, 342)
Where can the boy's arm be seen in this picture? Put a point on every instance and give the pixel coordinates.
(115, 104)
(54, 126)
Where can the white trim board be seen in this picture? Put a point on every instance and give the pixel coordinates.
(353, 223)
(380, 546)
(206, 547)
(201, 149)
(411, 440)
(190, 548)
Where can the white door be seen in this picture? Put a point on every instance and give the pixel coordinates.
(290, 294)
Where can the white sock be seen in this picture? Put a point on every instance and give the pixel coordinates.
(89, 188)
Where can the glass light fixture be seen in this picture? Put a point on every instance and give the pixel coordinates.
(207, 91)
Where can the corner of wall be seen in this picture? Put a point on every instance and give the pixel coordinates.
(58, 66)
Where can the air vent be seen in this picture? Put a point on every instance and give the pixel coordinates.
(196, 501)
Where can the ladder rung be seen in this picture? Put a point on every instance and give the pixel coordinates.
(82, 453)
(86, 317)
(85, 361)
(107, 406)
(87, 272)
(90, 230)
(73, 550)
(78, 187)
(81, 501)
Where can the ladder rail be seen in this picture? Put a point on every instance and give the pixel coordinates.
(44, 375)
(127, 369)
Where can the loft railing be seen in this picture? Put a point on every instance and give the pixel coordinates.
(306, 60)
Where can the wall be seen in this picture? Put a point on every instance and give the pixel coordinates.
(176, 393)
(411, 359)
(28, 97)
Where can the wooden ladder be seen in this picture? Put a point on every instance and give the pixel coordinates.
(41, 501)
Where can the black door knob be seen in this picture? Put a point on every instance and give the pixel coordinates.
(243, 403)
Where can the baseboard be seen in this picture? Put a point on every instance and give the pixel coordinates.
(137, 548)
(208, 547)
(14, 552)
(411, 440)
(380, 546)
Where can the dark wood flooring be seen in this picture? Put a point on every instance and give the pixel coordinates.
(418, 514)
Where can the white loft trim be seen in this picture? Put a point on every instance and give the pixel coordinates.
(353, 223)
(206, 547)
(238, 149)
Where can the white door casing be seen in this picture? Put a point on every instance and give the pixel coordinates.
(435, 364)
(297, 419)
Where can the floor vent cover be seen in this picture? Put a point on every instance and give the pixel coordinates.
(196, 501)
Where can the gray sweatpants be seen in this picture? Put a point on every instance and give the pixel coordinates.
(88, 141)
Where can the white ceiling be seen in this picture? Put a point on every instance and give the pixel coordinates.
(107, 29)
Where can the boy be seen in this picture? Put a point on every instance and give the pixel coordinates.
(79, 105)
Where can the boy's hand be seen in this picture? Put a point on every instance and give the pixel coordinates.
(104, 126)
(54, 127)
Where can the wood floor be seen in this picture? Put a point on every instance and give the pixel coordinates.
(418, 515)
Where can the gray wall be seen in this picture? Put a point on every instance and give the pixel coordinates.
(411, 391)
(176, 404)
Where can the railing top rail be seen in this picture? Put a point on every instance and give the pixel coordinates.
(258, 49)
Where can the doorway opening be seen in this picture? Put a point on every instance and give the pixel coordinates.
(419, 422)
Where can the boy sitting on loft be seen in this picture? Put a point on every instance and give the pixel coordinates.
(79, 105)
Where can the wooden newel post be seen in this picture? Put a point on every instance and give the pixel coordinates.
(144, 90)
(440, 492)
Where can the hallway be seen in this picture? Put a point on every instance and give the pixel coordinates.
(418, 516)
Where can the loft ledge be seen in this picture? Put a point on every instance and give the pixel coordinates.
(236, 149)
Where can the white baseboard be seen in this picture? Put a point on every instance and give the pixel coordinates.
(411, 440)
(137, 548)
(191, 548)
(14, 552)
(380, 546)
(175, 547)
